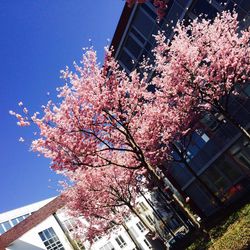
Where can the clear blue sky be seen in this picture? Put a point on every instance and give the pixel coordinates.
(39, 38)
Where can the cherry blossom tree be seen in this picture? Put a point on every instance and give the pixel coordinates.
(102, 197)
(106, 118)
(204, 66)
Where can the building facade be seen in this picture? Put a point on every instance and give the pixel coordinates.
(46, 225)
(218, 153)
(34, 227)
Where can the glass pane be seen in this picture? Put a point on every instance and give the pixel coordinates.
(149, 11)
(247, 90)
(51, 241)
(200, 197)
(46, 243)
(141, 21)
(203, 7)
(126, 60)
(244, 159)
(180, 173)
(7, 225)
(229, 170)
(14, 221)
(42, 236)
(47, 234)
(52, 232)
(1, 229)
(25, 216)
(137, 35)
(20, 218)
(133, 47)
(147, 243)
(174, 14)
(245, 4)
(183, 3)
(216, 180)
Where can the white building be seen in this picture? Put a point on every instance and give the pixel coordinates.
(45, 226)
(33, 227)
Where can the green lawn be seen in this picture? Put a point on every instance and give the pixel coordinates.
(231, 234)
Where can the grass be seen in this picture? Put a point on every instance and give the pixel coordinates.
(231, 234)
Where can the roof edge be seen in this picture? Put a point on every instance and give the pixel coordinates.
(34, 219)
(121, 26)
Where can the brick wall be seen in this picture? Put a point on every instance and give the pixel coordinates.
(34, 219)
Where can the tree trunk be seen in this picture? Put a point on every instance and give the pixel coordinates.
(184, 161)
(159, 217)
(173, 209)
(141, 219)
(185, 211)
(160, 184)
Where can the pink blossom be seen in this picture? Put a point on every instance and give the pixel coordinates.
(107, 130)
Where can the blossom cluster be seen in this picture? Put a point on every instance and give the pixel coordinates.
(108, 130)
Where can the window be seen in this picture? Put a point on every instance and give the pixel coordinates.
(126, 61)
(127, 217)
(137, 35)
(1, 229)
(222, 175)
(25, 216)
(141, 21)
(14, 221)
(141, 226)
(173, 224)
(20, 218)
(133, 47)
(143, 206)
(80, 245)
(147, 243)
(149, 11)
(202, 6)
(210, 122)
(240, 152)
(150, 220)
(97, 238)
(200, 197)
(120, 241)
(198, 141)
(228, 169)
(50, 239)
(107, 246)
(180, 172)
(215, 180)
(70, 224)
(247, 90)
(6, 225)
